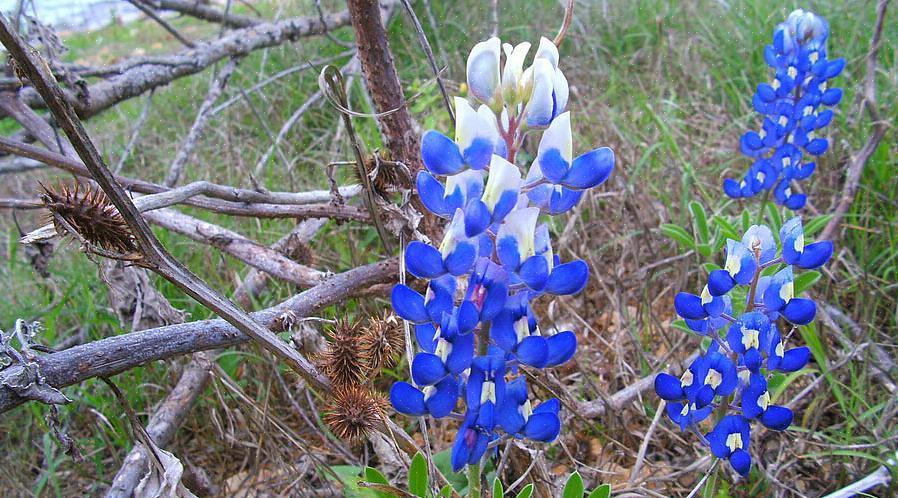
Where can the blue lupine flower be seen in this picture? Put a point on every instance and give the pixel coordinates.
(557, 165)
(733, 366)
(756, 404)
(495, 256)
(749, 336)
(795, 252)
(779, 296)
(516, 416)
(791, 105)
(730, 440)
(476, 140)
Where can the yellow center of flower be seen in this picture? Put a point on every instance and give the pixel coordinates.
(706, 296)
(713, 379)
(783, 120)
(732, 265)
(488, 392)
(764, 400)
(750, 338)
(813, 56)
(787, 161)
(792, 72)
(798, 245)
(775, 84)
(428, 392)
(780, 350)
(808, 110)
(787, 291)
(687, 378)
(734, 441)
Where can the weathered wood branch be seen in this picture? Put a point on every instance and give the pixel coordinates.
(199, 10)
(159, 71)
(113, 355)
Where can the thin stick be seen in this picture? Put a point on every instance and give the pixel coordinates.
(705, 477)
(859, 159)
(565, 23)
(162, 22)
(199, 123)
(640, 457)
(422, 38)
(141, 120)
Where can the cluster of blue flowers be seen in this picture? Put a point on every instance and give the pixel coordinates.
(732, 373)
(474, 325)
(792, 108)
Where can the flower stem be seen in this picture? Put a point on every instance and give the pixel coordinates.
(474, 480)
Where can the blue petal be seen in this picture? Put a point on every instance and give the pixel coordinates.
(477, 218)
(508, 253)
(741, 462)
(502, 331)
(794, 359)
(509, 418)
(816, 254)
(542, 427)
(689, 306)
(590, 169)
(467, 317)
(533, 351)
(504, 205)
(432, 193)
(669, 387)
(460, 261)
(426, 335)
(534, 272)
(428, 369)
(720, 282)
(778, 418)
(423, 261)
(407, 399)
(440, 154)
(479, 153)
(562, 347)
(443, 401)
(551, 405)
(496, 295)
(563, 199)
(569, 278)
(800, 311)
(732, 188)
(462, 353)
(461, 452)
(553, 166)
(408, 304)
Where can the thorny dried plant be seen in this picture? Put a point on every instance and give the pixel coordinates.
(353, 410)
(382, 342)
(90, 213)
(342, 360)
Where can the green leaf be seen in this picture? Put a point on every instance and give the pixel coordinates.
(525, 492)
(816, 224)
(417, 476)
(746, 221)
(805, 280)
(375, 476)
(446, 491)
(498, 489)
(681, 325)
(727, 228)
(679, 234)
(574, 486)
(709, 267)
(700, 218)
(776, 219)
(704, 250)
(443, 462)
(603, 491)
(348, 477)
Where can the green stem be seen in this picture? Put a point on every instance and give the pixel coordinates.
(474, 480)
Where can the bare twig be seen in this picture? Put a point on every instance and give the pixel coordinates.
(881, 476)
(422, 38)
(202, 11)
(859, 159)
(135, 133)
(565, 23)
(199, 124)
(161, 22)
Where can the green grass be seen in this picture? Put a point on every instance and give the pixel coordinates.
(666, 84)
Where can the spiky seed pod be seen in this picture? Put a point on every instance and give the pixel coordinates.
(90, 213)
(385, 175)
(343, 360)
(352, 412)
(383, 341)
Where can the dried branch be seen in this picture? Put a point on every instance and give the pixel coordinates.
(383, 85)
(161, 22)
(859, 159)
(148, 73)
(177, 404)
(256, 255)
(135, 133)
(199, 10)
(113, 355)
(199, 124)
